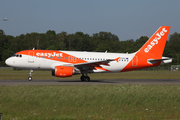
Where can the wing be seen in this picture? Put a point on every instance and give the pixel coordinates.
(93, 65)
(88, 66)
(102, 62)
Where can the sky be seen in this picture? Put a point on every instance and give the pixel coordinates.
(128, 19)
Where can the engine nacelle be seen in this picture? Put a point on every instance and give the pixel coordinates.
(63, 71)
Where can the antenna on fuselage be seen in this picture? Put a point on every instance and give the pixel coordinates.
(106, 51)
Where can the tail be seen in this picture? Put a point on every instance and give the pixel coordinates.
(150, 54)
(154, 47)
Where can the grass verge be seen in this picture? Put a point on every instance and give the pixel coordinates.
(108, 102)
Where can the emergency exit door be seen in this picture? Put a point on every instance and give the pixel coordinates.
(135, 61)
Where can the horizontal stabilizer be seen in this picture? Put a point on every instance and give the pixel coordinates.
(163, 60)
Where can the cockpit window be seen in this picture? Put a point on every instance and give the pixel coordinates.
(17, 55)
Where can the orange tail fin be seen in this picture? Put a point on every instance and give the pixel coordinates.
(150, 54)
(156, 43)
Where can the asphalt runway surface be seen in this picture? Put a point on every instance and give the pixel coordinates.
(92, 82)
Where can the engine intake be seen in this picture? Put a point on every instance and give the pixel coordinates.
(64, 71)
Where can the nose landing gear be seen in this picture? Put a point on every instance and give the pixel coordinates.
(30, 75)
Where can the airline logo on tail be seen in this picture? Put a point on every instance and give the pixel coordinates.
(155, 40)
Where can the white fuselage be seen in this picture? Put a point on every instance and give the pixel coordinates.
(42, 63)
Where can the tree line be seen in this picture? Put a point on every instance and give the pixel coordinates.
(99, 42)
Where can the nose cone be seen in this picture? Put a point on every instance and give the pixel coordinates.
(8, 62)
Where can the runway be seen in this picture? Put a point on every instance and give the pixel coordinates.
(92, 82)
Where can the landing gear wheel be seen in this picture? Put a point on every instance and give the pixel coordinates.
(82, 78)
(85, 78)
(29, 78)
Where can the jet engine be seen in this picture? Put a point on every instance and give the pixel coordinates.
(64, 71)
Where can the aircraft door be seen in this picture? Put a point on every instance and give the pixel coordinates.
(31, 57)
(135, 61)
(70, 59)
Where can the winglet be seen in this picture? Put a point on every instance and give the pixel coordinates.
(117, 59)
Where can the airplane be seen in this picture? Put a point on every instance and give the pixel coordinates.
(67, 63)
(5, 19)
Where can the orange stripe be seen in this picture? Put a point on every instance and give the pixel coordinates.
(53, 55)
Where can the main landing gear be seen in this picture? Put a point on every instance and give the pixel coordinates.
(85, 78)
(30, 75)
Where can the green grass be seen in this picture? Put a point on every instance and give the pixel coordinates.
(15, 75)
(106, 102)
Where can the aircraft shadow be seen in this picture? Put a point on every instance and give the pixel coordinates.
(91, 81)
